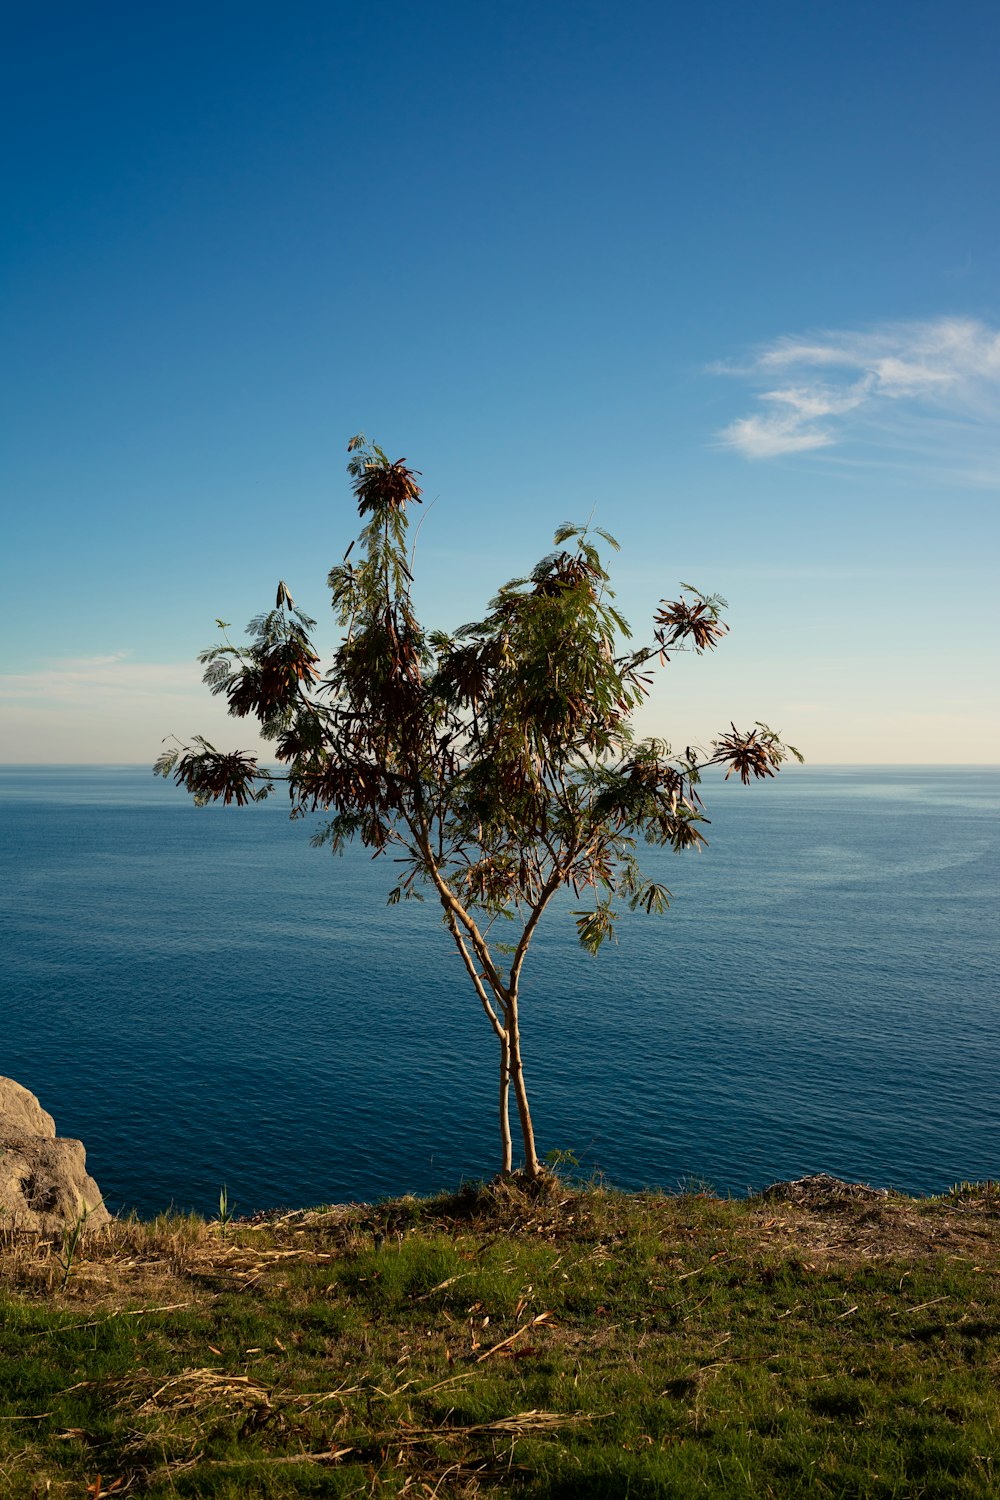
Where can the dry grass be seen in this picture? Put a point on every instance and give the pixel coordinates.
(850, 1222)
(160, 1261)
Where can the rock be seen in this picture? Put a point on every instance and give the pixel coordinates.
(44, 1186)
(21, 1111)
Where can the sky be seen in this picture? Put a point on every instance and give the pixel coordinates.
(725, 276)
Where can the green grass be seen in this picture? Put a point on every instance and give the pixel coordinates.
(576, 1345)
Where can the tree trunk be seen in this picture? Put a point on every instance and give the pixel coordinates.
(479, 982)
(532, 1168)
(505, 1145)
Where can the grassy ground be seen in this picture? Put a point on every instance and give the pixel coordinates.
(832, 1342)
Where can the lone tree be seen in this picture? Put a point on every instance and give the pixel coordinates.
(497, 763)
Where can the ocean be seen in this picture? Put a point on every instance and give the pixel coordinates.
(204, 999)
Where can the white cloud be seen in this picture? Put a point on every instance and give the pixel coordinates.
(765, 437)
(933, 384)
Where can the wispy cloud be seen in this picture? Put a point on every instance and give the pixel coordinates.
(929, 388)
(112, 707)
(85, 680)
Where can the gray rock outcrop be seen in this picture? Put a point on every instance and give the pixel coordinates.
(44, 1186)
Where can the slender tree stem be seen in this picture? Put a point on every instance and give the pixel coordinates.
(480, 988)
(549, 889)
(532, 1167)
(455, 913)
(506, 1151)
(512, 1069)
(455, 909)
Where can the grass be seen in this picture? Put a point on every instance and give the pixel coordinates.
(834, 1342)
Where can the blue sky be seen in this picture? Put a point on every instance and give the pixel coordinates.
(729, 274)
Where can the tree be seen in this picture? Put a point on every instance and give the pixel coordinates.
(497, 763)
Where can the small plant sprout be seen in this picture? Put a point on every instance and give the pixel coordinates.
(558, 1160)
(71, 1243)
(225, 1212)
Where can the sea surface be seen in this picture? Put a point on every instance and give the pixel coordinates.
(205, 999)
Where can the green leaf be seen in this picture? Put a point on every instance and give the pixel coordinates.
(166, 761)
(594, 927)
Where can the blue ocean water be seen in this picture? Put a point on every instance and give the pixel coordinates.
(205, 999)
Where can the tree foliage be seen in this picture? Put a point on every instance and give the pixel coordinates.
(498, 763)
